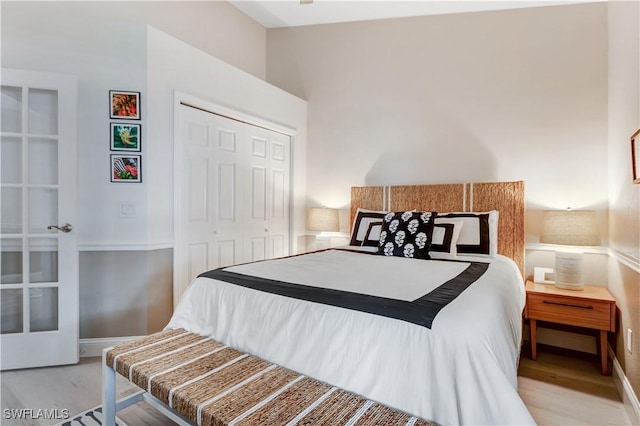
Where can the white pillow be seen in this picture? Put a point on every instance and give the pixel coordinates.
(479, 233)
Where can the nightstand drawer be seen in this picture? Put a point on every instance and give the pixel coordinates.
(571, 311)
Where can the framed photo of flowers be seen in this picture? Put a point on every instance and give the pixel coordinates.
(635, 156)
(126, 168)
(124, 105)
(125, 137)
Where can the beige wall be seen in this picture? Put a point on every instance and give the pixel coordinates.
(215, 27)
(624, 196)
(124, 293)
(549, 95)
(505, 95)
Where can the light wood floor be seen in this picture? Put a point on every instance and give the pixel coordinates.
(76, 388)
(558, 390)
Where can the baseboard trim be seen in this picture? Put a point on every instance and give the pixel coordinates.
(629, 398)
(124, 247)
(94, 347)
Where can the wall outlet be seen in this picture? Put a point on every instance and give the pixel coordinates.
(629, 339)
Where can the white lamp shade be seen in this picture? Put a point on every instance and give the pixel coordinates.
(570, 228)
(323, 219)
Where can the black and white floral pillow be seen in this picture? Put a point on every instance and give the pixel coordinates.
(406, 234)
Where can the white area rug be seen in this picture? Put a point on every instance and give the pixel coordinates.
(92, 417)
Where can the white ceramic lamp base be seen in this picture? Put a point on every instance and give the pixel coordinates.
(569, 271)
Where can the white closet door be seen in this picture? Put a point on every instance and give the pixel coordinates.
(256, 195)
(193, 218)
(278, 202)
(208, 217)
(232, 194)
(266, 199)
(228, 153)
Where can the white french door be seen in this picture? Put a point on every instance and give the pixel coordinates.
(39, 255)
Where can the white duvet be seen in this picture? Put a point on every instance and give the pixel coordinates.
(461, 371)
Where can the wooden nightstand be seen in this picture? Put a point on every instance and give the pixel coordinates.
(591, 308)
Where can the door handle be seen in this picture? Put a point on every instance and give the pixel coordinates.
(64, 228)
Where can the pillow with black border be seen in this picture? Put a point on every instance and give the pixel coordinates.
(372, 237)
(446, 233)
(406, 234)
(361, 224)
(443, 244)
(486, 227)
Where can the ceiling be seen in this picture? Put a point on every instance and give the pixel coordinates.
(290, 13)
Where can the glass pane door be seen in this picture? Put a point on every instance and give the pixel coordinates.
(29, 277)
(34, 288)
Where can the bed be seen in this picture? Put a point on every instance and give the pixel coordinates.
(437, 338)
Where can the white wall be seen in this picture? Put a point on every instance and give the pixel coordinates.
(114, 54)
(32, 38)
(104, 44)
(108, 46)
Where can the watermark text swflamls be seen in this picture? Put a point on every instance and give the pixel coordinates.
(35, 414)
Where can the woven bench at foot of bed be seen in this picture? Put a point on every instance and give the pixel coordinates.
(212, 384)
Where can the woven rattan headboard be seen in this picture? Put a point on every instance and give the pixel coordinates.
(506, 197)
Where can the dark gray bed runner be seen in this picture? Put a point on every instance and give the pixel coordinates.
(421, 311)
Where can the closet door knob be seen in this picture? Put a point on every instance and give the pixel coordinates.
(266, 230)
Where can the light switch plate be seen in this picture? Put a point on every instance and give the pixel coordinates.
(629, 339)
(127, 209)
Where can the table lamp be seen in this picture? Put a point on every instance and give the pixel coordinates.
(323, 219)
(570, 228)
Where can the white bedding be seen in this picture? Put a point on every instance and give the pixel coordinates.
(460, 371)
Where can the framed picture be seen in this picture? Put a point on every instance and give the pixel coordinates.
(126, 168)
(124, 104)
(635, 156)
(125, 137)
